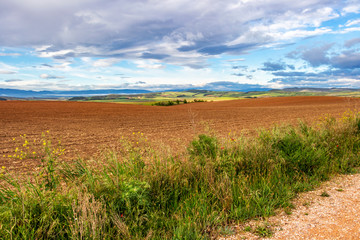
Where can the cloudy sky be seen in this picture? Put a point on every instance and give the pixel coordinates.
(160, 44)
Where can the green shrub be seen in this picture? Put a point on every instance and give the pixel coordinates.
(205, 146)
(164, 103)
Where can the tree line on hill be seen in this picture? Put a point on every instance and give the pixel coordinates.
(176, 102)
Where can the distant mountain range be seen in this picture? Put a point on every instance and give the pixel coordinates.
(28, 94)
(320, 89)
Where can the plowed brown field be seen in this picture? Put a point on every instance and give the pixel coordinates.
(85, 127)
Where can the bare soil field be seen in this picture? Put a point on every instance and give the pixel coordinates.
(85, 128)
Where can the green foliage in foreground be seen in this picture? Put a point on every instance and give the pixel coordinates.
(136, 194)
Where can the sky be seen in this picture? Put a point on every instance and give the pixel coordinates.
(176, 44)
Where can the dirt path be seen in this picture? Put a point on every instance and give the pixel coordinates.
(318, 217)
(333, 217)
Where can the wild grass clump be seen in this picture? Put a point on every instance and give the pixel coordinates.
(137, 193)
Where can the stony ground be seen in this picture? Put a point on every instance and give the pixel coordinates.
(329, 212)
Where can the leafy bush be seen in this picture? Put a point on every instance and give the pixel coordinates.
(205, 146)
(175, 102)
(164, 103)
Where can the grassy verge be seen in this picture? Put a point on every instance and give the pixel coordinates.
(137, 193)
